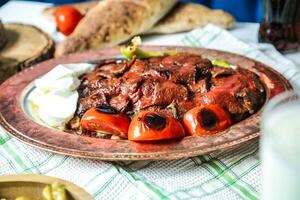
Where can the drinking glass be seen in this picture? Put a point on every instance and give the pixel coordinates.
(280, 148)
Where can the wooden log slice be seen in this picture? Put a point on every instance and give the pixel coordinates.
(3, 38)
(25, 46)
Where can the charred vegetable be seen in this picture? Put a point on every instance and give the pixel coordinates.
(133, 51)
(153, 126)
(106, 120)
(206, 120)
(222, 63)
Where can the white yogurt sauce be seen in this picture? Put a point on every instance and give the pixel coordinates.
(55, 98)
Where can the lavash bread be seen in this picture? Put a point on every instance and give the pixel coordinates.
(111, 22)
(3, 37)
(185, 17)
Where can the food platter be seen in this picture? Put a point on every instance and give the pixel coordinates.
(19, 122)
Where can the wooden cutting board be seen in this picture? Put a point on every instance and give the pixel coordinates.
(32, 185)
(25, 45)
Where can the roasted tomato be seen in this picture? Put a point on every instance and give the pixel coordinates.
(106, 120)
(67, 18)
(154, 125)
(206, 120)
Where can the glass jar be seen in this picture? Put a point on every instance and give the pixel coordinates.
(281, 24)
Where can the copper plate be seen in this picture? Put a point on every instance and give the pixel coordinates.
(21, 126)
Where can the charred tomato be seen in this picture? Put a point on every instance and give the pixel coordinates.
(153, 126)
(106, 120)
(206, 120)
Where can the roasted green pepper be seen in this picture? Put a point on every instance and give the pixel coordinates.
(133, 51)
(221, 63)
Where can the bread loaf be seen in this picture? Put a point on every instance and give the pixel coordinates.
(185, 17)
(111, 22)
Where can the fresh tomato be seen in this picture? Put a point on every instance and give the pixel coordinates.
(206, 120)
(67, 18)
(105, 120)
(153, 126)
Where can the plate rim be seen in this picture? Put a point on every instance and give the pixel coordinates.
(162, 155)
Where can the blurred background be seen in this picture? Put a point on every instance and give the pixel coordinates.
(242, 10)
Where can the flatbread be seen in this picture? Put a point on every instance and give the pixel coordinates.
(111, 22)
(185, 17)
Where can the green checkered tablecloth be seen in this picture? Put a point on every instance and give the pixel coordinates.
(232, 174)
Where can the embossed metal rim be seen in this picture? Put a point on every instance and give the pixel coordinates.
(20, 126)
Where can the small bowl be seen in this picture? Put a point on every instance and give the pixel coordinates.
(32, 185)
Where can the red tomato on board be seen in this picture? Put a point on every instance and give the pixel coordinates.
(67, 18)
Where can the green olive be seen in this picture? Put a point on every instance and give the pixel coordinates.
(58, 191)
(55, 192)
(24, 198)
(47, 193)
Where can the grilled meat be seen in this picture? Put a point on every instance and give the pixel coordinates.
(173, 84)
